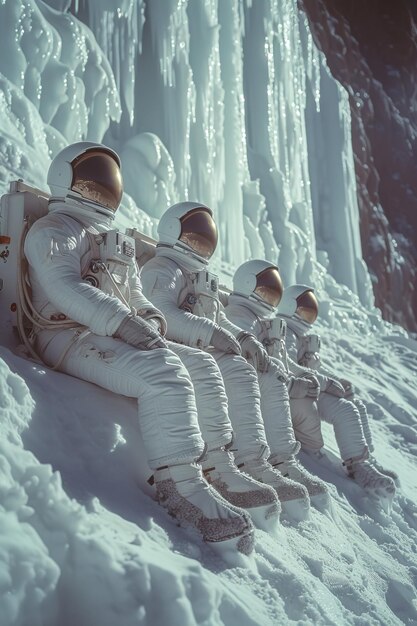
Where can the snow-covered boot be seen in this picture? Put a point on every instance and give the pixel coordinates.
(241, 490)
(182, 490)
(368, 477)
(294, 497)
(382, 470)
(317, 488)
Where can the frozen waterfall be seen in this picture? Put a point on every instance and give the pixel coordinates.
(229, 102)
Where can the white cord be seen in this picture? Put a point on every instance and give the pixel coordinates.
(26, 307)
(104, 267)
(25, 299)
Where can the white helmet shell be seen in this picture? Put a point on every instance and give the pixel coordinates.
(170, 228)
(245, 280)
(288, 304)
(60, 173)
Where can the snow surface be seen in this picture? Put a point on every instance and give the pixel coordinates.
(82, 543)
(229, 102)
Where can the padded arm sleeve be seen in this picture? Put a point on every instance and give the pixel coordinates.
(54, 254)
(239, 318)
(225, 323)
(163, 282)
(295, 368)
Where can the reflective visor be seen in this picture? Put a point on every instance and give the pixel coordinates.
(96, 176)
(307, 307)
(199, 232)
(269, 286)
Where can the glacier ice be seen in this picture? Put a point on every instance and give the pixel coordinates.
(229, 103)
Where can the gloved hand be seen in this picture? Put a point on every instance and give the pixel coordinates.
(154, 322)
(334, 388)
(348, 387)
(224, 341)
(139, 333)
(304, 387)
(310, 360)
(155, 316)
(253, 351)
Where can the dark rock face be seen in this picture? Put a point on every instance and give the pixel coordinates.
(371, 49)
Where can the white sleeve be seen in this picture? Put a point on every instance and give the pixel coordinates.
(54, 254)
(225, 323)
(163, 282)
(239, 319)
(291, 345)
(137, 297)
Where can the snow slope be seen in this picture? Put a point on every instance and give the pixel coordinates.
(82, 542)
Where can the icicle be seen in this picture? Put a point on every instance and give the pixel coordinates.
(312, 59)
(173, 87)
(118, 30)
(227, 94)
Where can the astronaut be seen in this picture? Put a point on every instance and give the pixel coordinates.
(257, 289)
(94, 323)
(178, 281)
(337, 403)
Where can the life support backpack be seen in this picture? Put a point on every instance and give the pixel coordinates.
(19, 210)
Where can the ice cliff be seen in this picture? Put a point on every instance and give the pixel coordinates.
(372, 50)
(230, 103)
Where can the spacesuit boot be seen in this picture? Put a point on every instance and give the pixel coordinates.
(361, 407)
(241, 490)
(182, 490)
(382, 470)
(317, 489)
(368, 476)
(294, 497)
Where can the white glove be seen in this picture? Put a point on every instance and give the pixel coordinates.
(224, 341)
(335, 388)
(139, 333)
(310, 360)
(347, 386)
(153, 315)
(253, 351)
(304, 387)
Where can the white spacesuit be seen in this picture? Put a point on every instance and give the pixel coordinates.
(257, 289)
(94, 323)
(337, 402)
(178, 281)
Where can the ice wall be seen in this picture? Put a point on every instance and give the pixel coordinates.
(226, 102)
(56, 86)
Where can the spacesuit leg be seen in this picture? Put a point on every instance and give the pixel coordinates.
(169, 426)
(368, 436)
(243, 395)
(363, 414)
(157, 378)
(275, 404)
(275, 408)
(306, 422)
(210, 395)
(218, 464)
(345, 418)
(250, 444)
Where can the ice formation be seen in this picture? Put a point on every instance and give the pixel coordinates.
(237, 105)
